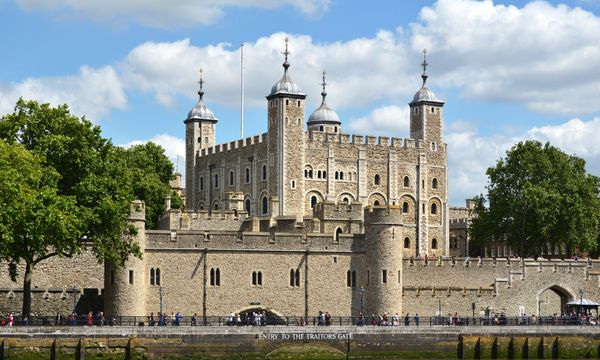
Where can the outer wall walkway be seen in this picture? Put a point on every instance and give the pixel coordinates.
(274, 342)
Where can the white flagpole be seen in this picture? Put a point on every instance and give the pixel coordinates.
(242, 92)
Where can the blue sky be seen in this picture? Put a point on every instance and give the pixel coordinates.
(508, 70)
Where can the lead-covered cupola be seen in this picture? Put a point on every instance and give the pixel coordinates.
(285, 85)
(324, 118)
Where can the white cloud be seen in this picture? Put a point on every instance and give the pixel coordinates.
(164, 13)
(470, 154)
(387, 121)
(174, 149)
(539, 55)
(91, 92)
(359, 71)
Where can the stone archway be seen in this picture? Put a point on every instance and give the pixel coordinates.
(248, 313)
(553, 300)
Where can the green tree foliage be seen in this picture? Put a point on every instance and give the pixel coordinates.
(82, 194)
(176, 201)
(539, 197)
(152, 172)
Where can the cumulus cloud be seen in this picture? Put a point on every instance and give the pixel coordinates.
(540, 55)
(470, 153)
(174, 148)
(386, 121)
(165, 13)
(170, 69)
(91, 92)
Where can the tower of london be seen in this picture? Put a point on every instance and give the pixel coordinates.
(306, 218)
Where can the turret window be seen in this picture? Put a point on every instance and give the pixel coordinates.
(384, 276)
(201, 183)
(351, 278)
(130, 277)
(298, 103)
(407, 243)
(434, 243)
(320, 128)
(433, 209)
(215, 277)
(199, 140)
(264, 172)
(155, 276)
(341, 175)
(313, 201)
(405, 208)
(247, 206)
(377, 180)
(265, 205)
(216, 181)
(231, 178)
(406, 181)
(247, 175)
(434, 183)
(257, 278)
(287, 102)
(433, 146)
(294, 278)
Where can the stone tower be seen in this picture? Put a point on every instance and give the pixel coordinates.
(200, 133)
(125, 288)
(286, 146)
(383, 261)
(426, 118)
(324, 118)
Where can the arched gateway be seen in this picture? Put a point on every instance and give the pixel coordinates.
(553, 300)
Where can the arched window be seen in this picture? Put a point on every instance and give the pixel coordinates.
(338, 232)
(206, 140)
(377, 179)
(433, 146)
(433, 209)
(216, 181)
(335, 129)
(320, 128)
(376, 203)
(434, 243)
(292, 275)
(264, 172)
(310, 174)
(265, 205)
(216, 206)
(324, 174)
(313, 201)
(231, 178)
(247, 206)
(201, 183)
(157, 278)
(152, 276)
(345, 200)
(434, 183)
(406, 243)
(212, 277)
(405, 208)
(199, 140)
(254, 282)
(337, 175)
(259, 278)
(341, 175)
(406, 181)
(348, 278)
(247, 175)
(297, 278)
(305, 173)
(319, 174)
(218, 277)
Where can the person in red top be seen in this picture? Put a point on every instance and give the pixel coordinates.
(90, 319)
(11, 319)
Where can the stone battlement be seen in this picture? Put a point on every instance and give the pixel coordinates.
(391, 214)
(237, 144)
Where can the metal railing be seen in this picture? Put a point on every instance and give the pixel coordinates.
(433, 321)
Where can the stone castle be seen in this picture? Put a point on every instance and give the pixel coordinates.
(303, 219)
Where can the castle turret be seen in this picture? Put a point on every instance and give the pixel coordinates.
(426, 112)
(125, 287)
(324, 118)
(383, 234)
(286, 147)
(200, 133)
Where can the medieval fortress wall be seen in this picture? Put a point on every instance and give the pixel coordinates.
(306, 219)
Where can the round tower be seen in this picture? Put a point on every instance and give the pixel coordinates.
(383, 236)
(125, 287)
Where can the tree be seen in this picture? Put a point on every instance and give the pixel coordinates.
(152, 172)
(539, 198)
(76, 191)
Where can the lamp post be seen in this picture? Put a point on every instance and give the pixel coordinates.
(581, 306)
(161, 316)
(362, 300)
(440, 312)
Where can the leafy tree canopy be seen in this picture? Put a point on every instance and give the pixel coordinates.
(539, 197)
(75, 187)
